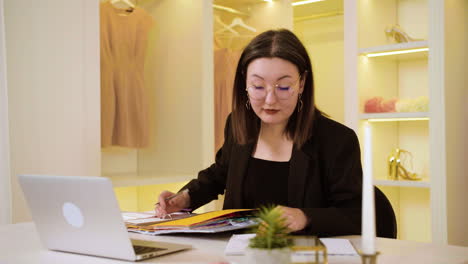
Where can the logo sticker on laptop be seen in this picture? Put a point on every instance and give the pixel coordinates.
(72, 214)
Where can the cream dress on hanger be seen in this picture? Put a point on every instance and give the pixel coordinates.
(124, 106)
(225, 65)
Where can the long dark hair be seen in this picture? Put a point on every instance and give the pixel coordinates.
(274, 44)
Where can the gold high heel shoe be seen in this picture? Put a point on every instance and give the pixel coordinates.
(398, 34)
(404, 172)
(397, 170)
(392, 167)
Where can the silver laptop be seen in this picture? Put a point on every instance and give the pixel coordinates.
(81, 215)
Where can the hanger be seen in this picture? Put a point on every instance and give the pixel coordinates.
(225, 26)
(230, 10)
(123, 4)
(237, 22)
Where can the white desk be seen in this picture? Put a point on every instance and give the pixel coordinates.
(19, 243)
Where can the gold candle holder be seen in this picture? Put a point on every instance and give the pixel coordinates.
(368, 258)
(308, 250)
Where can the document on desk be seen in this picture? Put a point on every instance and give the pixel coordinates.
(339, 247)
(146, 218)
(335, 246)
(136, 215)
(237, 244)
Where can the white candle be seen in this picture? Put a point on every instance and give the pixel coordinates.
(368, 205)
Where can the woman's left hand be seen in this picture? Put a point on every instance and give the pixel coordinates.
(295, 218)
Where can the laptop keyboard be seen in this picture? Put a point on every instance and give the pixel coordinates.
(143, 249)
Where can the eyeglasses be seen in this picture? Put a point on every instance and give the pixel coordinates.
(284, 89)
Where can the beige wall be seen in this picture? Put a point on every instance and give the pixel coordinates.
(274, 15)
(53, 85)
(5, 188)
(324, 39)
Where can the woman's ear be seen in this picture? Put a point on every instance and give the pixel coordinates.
(302, 83)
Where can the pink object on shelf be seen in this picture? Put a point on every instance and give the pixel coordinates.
(379, 105)
(373, 105)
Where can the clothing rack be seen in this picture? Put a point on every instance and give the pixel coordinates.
(126, 2)
(227, 35)
(230, 10)
(329, 14)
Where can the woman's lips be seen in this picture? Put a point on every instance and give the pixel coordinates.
(271, 111)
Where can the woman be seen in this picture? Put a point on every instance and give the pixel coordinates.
(279, 149)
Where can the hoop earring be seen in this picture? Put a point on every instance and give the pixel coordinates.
(300, 104)
(247, 104)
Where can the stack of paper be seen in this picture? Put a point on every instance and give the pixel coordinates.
(335, 246)
(339, 247)
(211, 222)
(147, 218)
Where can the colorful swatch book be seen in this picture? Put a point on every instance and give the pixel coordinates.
(211, 222)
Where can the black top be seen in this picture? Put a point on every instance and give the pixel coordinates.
(324, 181)
(266, 183)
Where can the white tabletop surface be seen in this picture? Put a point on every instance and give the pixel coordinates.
(19, 243)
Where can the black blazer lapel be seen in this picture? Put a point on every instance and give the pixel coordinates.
(298, 168)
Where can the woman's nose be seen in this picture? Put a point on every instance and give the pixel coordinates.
(270, 97)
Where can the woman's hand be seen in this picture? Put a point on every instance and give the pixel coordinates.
(295, 218)
(169, 202)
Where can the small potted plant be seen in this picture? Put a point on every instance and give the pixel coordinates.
(271, 243)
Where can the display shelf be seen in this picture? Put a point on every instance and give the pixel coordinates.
(403, 183)
(392, 117)
(434, 72)
(399, 51)
(398, 70)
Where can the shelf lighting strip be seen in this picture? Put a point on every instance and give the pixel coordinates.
(304, 2)
(398, 119)
(387, 53)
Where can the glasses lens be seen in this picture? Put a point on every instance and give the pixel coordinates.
(283, 90)
(257, 91)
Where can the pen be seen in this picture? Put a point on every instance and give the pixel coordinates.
(173, 196)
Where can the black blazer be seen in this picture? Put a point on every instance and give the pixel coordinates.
(325, 178)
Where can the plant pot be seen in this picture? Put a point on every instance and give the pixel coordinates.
(270, 256)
